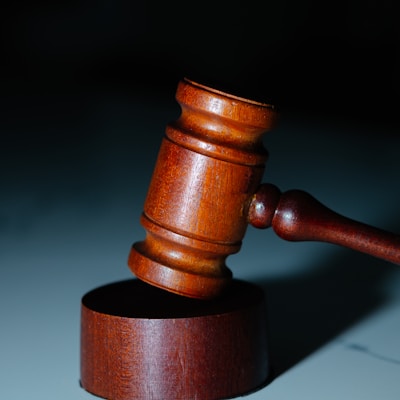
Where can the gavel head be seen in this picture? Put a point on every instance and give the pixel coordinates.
(209, 167)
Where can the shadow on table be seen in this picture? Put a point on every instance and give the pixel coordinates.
(307, 311)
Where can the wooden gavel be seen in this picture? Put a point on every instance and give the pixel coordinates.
(206, 189)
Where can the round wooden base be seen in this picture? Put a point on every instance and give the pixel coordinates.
(141, 342)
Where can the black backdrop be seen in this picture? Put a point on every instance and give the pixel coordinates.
(337, 58)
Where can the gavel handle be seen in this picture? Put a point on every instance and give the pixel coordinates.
(297, 216)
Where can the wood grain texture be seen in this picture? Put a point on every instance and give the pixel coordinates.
(210, 164)
(140, 342)
(206, 189)
(297, 216)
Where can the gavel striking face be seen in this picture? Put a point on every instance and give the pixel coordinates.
(206, 188)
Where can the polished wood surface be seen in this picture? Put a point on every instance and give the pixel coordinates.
(210, 164)
(206, 189)
(140, 342)
(297, 216)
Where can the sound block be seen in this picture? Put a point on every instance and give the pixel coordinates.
(141, 342)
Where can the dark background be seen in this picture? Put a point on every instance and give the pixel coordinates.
(334, 58)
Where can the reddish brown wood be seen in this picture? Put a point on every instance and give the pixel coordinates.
(209, 166)
(296, 215)
(140, 342)
(198, 205)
